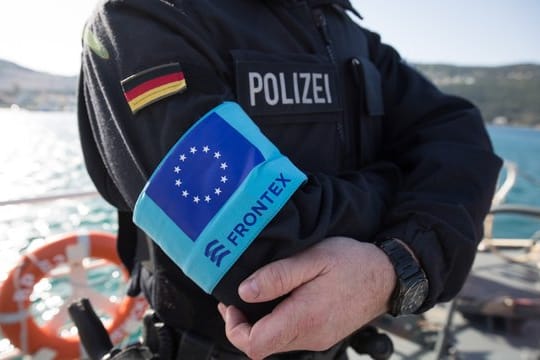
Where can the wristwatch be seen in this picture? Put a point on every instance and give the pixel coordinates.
(412, 284)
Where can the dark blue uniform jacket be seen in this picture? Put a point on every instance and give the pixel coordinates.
(386, 153)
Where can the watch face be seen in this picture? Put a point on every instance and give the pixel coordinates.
(414, 297)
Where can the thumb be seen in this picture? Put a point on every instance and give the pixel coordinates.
(281, 277)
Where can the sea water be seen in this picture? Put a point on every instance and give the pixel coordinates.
(40, 155)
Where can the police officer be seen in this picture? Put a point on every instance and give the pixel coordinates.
(399, 175)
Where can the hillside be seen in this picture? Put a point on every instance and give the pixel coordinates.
(35, 90)
(506, 94)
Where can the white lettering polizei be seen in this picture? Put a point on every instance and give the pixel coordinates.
(307, 81)
(296, 88)
(271, 92)
(327, 87)
(317, 89)
(254, 88)
(283, 83)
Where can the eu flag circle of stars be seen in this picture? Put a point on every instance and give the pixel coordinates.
(191, 155)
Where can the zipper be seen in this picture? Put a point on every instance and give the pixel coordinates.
(320, 22)
(322, 26)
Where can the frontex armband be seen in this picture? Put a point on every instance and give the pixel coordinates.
(214, 192)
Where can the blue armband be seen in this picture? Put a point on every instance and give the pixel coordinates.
(214, 192)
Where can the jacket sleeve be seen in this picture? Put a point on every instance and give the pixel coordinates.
(441, 146)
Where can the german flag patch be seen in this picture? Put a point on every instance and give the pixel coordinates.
(151, 85)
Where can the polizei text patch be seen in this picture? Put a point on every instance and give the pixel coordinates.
(286, 88)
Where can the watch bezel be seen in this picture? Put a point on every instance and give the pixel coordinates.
(412, 300)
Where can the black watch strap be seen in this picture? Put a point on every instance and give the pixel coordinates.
(411, 283)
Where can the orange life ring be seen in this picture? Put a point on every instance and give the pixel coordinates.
(19, 326)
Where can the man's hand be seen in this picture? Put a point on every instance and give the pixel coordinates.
(334, 287)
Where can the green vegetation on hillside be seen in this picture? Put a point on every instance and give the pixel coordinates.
(504, 94)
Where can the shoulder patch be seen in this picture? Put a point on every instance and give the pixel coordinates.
(91, 40)
(153, 84)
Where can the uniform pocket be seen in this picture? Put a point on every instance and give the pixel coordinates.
(368, 81)
(295, 99)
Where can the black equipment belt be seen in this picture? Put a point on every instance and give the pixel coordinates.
(172, 344)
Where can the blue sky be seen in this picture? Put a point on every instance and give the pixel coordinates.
(45, 34)
(473, 32)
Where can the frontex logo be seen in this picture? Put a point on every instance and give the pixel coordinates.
(216, 253)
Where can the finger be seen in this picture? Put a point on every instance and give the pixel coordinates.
(270, 335)
(237, 328)
(222, 308)
(281, 277)
(277, 332)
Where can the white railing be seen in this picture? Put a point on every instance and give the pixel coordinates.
(48, 198)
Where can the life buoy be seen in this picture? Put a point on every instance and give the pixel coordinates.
(16, 321)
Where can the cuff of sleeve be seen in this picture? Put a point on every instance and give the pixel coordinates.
(446, 265)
